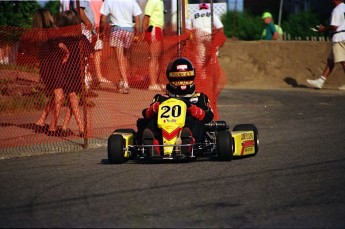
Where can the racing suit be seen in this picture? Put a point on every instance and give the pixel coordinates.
(199, 112)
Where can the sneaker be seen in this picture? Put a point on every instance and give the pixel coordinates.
(123, 87)
(342, 87)
(187, 138)
(155, 87)
(125, 90)
(148, 139)
(318, 83)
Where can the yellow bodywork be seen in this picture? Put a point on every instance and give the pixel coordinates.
(244, 143)
(129, 139)
(171, 119)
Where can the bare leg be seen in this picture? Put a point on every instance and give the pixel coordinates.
(74, 101)
(48, 107)
(58, 100)
(97, 57)
(155, 52)
(122, 61)
(67, 119)
(329, 68)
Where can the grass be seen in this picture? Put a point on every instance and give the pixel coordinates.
(17, 102)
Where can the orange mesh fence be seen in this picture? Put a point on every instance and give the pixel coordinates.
(42, 68)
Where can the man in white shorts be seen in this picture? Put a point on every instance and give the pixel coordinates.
(121, 13)
(337, 53)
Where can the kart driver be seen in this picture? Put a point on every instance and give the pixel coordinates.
(180, 74)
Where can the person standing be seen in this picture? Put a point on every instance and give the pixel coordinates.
(153, 23)
(87, 17)
(96, 8)
(53, 55)
(121, 13)
(336, 29)
(202, 24)
(271, 31)
(72, 71)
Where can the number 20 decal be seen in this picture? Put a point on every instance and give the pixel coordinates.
(174, 111)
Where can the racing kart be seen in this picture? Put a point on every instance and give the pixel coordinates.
(219, 141)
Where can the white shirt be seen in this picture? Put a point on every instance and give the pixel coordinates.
(121, 12)
(87, 9)
(338, 19)
(201, 19)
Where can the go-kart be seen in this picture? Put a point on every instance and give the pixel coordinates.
(219, 142)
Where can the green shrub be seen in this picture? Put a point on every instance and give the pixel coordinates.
(298, 25)
(242, 25)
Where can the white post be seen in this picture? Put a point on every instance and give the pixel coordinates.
(280, 12)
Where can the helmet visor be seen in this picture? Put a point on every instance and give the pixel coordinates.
(181, 78)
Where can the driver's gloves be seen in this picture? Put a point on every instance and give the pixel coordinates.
(196, 112)
(152, 111)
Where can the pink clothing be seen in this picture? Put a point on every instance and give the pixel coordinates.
(96, 8)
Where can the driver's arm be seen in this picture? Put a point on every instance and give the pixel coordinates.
(201, 110)
(152, 110)
(206, 106)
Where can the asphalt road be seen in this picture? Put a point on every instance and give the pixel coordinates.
(295, 180)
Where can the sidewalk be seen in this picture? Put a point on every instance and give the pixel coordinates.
(111, 111)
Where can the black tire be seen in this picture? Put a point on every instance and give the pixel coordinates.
(115, 149)
(224, 146)
(249, 127)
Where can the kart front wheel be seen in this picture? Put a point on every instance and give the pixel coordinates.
(224, 145)
(115, 149)
(249, 127)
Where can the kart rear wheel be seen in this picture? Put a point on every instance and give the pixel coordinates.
(116, 144)
(249, 127)
(224, 145)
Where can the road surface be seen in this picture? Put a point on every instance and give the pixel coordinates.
(295, 180)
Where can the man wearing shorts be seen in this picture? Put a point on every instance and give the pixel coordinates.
(122, 32)
(337, 53)
(153, 24)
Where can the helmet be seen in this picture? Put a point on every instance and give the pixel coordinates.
(181, 74)
(203, 6)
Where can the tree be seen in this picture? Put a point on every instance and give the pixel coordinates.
(17, 13)
(298, 25)
(242, 25)
(53, 6)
